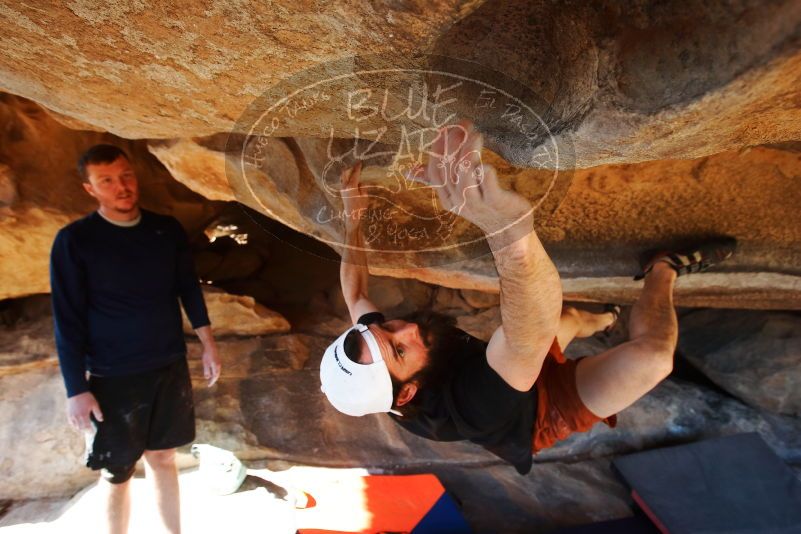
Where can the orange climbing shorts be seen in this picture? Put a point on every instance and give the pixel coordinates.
(560, 411)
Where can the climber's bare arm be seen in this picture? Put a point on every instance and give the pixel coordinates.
(353, 271)
(531, 291)
(531, 304)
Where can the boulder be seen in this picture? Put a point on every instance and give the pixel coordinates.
(651, 128)
(281, 388)
(480, 299)
(754, 355)
(481, 324)
(620, 82)
(267, 405)
(238, 315)
(594, 230)
(631, 126)
(450, 301)
(27, 345)
(47, 462)
(194, 71)
(189, 162)
(678, 411)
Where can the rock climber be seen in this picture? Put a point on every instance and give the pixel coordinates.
(516, 394)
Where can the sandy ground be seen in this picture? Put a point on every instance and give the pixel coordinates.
(255, 508)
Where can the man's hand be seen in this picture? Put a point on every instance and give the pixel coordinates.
(78, 409)
(354, 199)
(210, 357)
(469, 188)
(211, 364)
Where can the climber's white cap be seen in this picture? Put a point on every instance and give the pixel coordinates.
(354, 388)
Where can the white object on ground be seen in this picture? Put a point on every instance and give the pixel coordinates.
(221, 471)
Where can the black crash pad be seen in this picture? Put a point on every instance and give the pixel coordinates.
(627, 525)
(734, 484)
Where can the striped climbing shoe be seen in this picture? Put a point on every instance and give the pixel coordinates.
(693, 259)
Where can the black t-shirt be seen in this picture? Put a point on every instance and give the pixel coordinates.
(116, 292)
(474, 403)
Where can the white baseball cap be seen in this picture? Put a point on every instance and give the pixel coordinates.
(355, 388)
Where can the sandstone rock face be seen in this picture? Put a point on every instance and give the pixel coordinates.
(480, 299)
(670, 120)
(191, 163)
(26, 239)
(482, 324)
(267, 406)
(595, 227)
(28, 345)
(40, 191)
(617, 74)
(280, 194)
(195, 71)
(239, 315)
(48, 460)
(622, 83)
(679, 411)
(657, 107)
(755, 357)
(674, 411)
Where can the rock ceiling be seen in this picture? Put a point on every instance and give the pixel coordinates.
(670, 119)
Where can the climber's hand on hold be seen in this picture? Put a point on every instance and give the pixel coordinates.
(469, 188)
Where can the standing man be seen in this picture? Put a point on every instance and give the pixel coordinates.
(516, 394)
(116, 278)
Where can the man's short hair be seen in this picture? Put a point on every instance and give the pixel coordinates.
(445, 343)
(99, 154)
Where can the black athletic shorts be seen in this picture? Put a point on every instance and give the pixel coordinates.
(146, 411)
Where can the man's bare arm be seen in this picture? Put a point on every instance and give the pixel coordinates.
(531, 304)
(353, 271)
(531, 292)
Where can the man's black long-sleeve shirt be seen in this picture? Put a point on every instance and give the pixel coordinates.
(115, 296)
